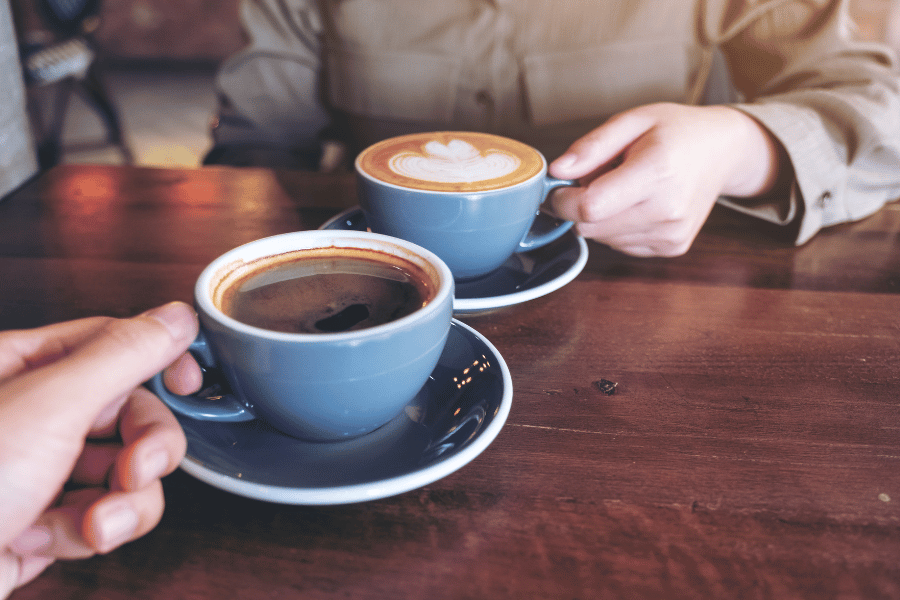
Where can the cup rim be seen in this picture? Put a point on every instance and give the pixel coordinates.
(541, 173)
(282, 243)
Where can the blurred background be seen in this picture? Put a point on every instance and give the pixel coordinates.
(157, 59)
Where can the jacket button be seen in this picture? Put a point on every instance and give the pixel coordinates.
(824, 198)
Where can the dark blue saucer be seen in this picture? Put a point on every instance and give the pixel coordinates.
(452, 420)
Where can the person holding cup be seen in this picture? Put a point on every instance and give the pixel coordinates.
(82, 444)
(325, 336)
(627, 98)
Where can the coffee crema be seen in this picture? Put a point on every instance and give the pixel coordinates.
(451, 161)
(322, 290)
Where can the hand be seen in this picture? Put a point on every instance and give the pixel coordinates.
(651, 175)
(82, 445)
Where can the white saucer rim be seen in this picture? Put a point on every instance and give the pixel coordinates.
(363, 492)
(465, 306)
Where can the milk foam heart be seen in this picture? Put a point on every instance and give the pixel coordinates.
(457, 161)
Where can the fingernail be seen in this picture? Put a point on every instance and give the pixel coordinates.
(565, 161)
(117, 525)
(175, 318)
(153, 466)
(31, 541)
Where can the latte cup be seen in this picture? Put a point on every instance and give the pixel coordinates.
(324, 335)
(471, 198)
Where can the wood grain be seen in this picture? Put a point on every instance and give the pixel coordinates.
(751, 449)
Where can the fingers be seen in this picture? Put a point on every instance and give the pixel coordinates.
(91, 521)
(650, 177)
(32, 566)
(154, 443)
(57, 532)
(152, 446)
(95, 464)
(603, 145)
(48, 411)
(16, 571)
(121, 517)
(183, 376)
(9, 573)
(611, 193)
(614, 165)
(129, 352)
(632, 236)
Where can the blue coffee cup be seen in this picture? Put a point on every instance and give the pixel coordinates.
(316, 386)
(474, 218)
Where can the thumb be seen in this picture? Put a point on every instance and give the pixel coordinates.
(103, 368)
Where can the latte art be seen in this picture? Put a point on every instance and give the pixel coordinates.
(451, 161)
(457, 161)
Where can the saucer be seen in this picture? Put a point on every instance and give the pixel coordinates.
(524, 276)
(455, 416)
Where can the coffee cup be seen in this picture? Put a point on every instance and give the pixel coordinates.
(471, 198)
(324, 335)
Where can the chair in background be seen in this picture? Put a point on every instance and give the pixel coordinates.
(63, 65)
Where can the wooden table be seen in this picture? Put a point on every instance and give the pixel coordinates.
(751, 450)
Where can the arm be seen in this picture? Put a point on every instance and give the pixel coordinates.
(832, 102)
(270, 89)
(820, 151)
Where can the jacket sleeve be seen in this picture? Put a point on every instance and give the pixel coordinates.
(269, 90)
(832, 102)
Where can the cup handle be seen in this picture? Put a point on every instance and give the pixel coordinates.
(545, 228)
(225, 408)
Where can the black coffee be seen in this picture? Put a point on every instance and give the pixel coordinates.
(325, 294)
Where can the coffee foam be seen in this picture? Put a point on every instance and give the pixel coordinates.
(451, 161)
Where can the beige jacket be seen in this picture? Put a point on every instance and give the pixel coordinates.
(546, 72)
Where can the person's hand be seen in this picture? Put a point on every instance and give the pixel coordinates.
(82, 445)
(651, 175)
